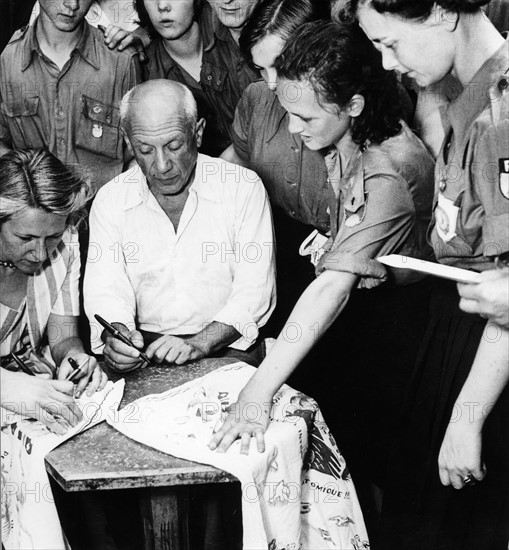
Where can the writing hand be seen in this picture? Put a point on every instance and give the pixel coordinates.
(50, 401)
(122, 357)
(91, 376)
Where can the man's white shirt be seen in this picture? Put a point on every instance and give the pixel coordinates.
(218, 266)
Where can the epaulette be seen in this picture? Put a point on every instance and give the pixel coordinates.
(19, 34)
(499, 96)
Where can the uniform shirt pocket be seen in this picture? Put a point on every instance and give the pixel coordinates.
(98, 130)
(24, 123)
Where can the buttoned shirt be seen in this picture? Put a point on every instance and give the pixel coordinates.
(217, 266)
(53, 289)
(295, 177)
(223, 77)
(382, 206)
(73, 112)
(471, 207)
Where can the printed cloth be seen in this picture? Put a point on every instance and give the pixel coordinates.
(29, 515)
(298, 494)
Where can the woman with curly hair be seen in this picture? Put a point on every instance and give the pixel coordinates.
(41, 200)
(451, 490)
(340, 101)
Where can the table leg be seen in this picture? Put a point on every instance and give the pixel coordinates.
(165, 513)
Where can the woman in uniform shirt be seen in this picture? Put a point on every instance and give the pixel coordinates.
(294, 176)
(40, 200)
(340, 101)
(451, 478)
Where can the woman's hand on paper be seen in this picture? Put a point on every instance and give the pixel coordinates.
(247, 418)
(489, 298)
(50, 401)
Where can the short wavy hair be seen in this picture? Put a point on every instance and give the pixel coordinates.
(35, 178)
(412, 9)
(339, 61)
(281, 18)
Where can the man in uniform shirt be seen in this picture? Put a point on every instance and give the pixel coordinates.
(185, 48)
(233, 14)
(59, 88)
(181, 246)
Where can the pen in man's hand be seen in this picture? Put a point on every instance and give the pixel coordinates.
(22, 365)
(119, 336)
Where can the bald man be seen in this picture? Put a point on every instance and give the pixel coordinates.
(181, 247)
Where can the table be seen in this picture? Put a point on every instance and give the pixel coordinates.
(102, 459)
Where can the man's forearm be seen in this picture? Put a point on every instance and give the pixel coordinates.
(214, 337)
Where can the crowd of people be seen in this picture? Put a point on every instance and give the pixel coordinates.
(161, 164)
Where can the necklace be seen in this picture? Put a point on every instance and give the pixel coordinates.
(7, 263)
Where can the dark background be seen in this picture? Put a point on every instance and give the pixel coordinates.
(13, 15)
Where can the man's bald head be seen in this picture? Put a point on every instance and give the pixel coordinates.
(155, 99)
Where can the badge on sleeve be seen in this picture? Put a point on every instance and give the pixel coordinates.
(503, 177)
(446, 218)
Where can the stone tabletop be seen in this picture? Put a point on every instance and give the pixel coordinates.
(102, 458)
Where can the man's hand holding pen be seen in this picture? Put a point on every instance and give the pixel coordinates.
(119, 355)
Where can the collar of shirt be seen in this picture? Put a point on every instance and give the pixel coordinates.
(213, 29)
(86, 47)
(475, 97)
(210, 28)
(143, 195)
(277, 116)
(166, 61)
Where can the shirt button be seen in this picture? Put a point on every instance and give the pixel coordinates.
(209, 77)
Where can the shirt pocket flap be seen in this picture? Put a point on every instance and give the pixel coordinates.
(99, 112)
(214, 77)
(20, 107)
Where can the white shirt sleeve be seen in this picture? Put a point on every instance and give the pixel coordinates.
(253, 294)
(107, 290)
